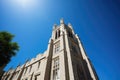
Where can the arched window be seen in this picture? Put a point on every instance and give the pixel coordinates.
(70, 34)
(58, 33)
(56, 69)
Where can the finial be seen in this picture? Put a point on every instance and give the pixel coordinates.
(61, 21)
(27, 60)
(69, 25)
(54, 26)
(11, 68)
(18, 65)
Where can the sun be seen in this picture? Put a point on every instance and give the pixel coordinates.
(26, 3)
(25, 6)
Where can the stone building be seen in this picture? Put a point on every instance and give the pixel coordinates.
(64, 59)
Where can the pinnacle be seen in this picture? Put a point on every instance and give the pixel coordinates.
(61, 21)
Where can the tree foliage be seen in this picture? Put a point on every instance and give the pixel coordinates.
(7, 47)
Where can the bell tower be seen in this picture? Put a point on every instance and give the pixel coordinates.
(69, 60)
(64, 59)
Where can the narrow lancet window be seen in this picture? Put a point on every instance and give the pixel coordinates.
(56, 35)
(56, 69)
(57, 47)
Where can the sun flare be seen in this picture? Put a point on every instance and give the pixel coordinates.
(26, 3)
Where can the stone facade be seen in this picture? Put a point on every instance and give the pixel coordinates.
(64, 59)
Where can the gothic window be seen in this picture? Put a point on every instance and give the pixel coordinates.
(56, 69)
(57, 34)
(70, 34)
(57, 47)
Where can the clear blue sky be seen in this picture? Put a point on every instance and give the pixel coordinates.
(97, 22)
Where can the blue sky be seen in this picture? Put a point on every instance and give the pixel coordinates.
(97, 22)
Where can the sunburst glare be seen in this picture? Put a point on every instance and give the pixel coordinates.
(25, 4)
